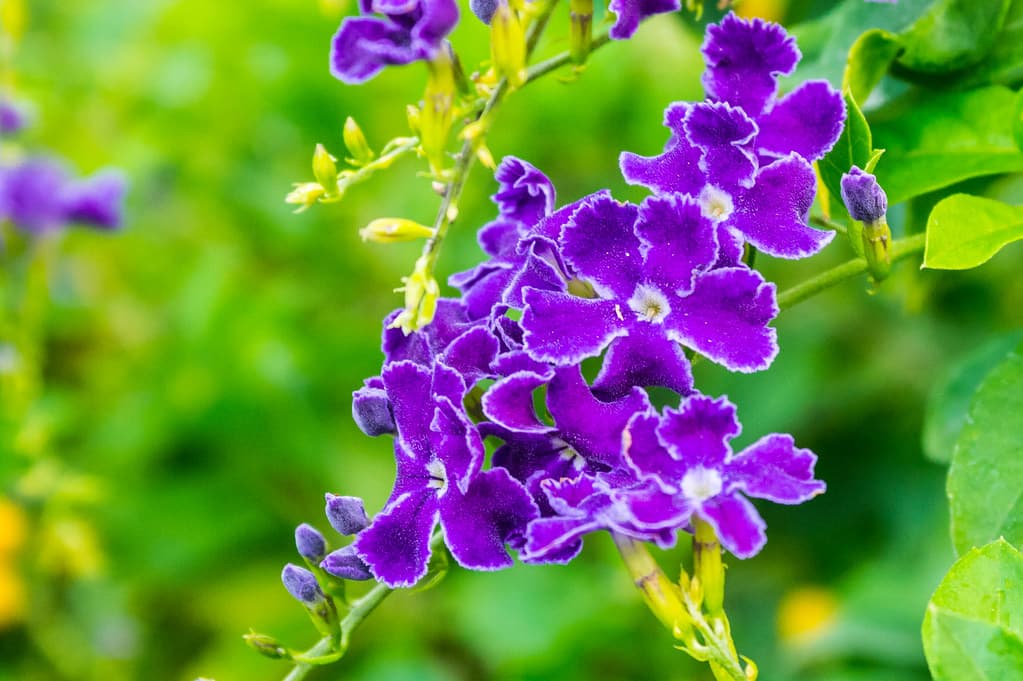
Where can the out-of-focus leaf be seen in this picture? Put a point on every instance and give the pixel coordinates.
(985, 480)
(1004, 63)
(934, 140)
(965, 231)
(1017, 120)
(869, 59)
(973, 626)
(952, 35)
(949, 400)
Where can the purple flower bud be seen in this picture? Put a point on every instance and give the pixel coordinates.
(483, 9)
(30, 195)
(302, 585)
(371, 410)
(347, 515)
(863, 196)
(310, 543)
(96, 201)
(346, 564)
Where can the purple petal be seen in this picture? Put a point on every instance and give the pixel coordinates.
(568, 495)
(647, 457)
(563, 329)
(677, 241)
(739, 527)
(499, 238)
(744, 59)
(96, 201)
(494, 511)
(30, 195)
(550, 227)
(724, 134)
(600, 244)
(408, 386)
(593, 428)
(643, 358)
(807, 121)
(512, 362)
(525, 193)
(631, 12)
(730, 248)
(697, 434)
(364, 45)
(471, 354)
(773, 214)
(535, 272)
(509, 402)
(556, 540)
(773, 468)
(397, 545)
(726, 319)
(421, 347)
(650, 510)
(482, 294)
(675, 170)
(346, 564)
(438, 19)
(456, 443)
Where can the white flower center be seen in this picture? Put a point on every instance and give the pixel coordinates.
(701, 484)
(715, 204)
(566, 453)
(650, 304)
(438, 476)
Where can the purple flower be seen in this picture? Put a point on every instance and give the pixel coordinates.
(744, 153)
(631, 12)
(14, 117)
(651, 269)
(407, 31)
(525, 195)
(38, 196)
(686, 453)
(439, 455)
(310, 543)
(863, 196)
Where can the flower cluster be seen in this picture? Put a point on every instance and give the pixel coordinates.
(637, 286)
(38, 194)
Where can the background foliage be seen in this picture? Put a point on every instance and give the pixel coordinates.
(198, 366)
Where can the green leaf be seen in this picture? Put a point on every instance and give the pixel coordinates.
(854, 147)
(972, 629)
(1017, 120)
(985, 480)
(1004, 63)
(934, 140)
(965, 231)
(952, 35)
(950, 397)
(869, 59)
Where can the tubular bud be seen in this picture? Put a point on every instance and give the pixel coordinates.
(356, 143)
(267, 646)
(438, 109)
(421, 294)
(581, 31)
(304, 195)
(707, 566)
(867, 202)
(310, 543)
(392, 230)
(508, 45)
(325, 170)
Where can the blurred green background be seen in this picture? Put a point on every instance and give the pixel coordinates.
(199, 365)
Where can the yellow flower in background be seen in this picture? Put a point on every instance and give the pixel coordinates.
(806, 613)
(12, 528)
(771, 10)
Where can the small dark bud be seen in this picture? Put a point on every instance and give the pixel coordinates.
(347, 515)
(302, 585)
(483, 9)
(863, 196)
(310, 543)
(346, 564)
(371, 410)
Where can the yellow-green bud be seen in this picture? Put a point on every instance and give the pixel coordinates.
(709, 572)
(304, 194)
(391, 230)
(356, 143)
(581, 30)
(508, 45)
(421, 294)
(412, 113)
(266, 645)
(877, 239)
(325, 170)
(696, 7)
(438, 110)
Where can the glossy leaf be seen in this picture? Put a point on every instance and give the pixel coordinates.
(1003, 65)
(934, 140)
(973, 626)
(952, 35)
(965, 231)
(985, 480)
(950, 397)
(854, 147)
(869, 59)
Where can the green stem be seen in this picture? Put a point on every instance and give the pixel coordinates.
(557, 61)
(827, 223)
(900, 250)
(385, 160)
